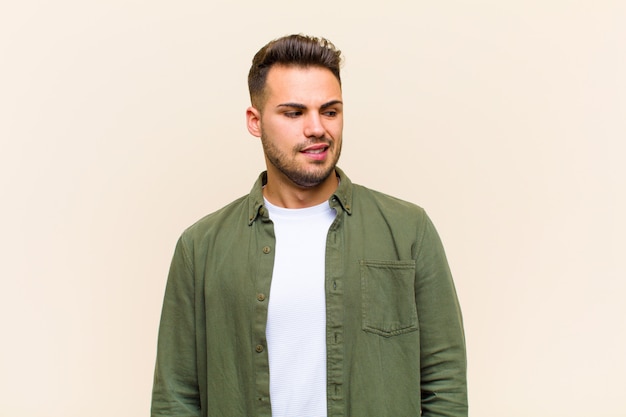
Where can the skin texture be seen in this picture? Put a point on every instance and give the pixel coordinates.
(300, 126)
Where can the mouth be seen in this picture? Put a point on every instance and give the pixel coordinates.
(317, 152)
(316, 149)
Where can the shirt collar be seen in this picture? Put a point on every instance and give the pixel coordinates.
(342, 196)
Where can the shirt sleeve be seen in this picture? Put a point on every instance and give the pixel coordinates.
(175, 391)
(443, 358)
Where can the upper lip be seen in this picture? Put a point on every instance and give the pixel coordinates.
(315, 147)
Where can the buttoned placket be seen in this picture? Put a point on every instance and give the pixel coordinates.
(334, 315)
(264, 242)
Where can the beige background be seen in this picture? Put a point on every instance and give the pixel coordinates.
(122, 122)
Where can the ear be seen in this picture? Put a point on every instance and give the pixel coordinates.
(253, 121)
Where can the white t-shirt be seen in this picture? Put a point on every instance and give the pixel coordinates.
(296, 325)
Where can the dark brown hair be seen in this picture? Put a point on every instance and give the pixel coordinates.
(292, 50)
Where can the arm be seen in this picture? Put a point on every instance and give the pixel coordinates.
(443, 360)
(175, 391)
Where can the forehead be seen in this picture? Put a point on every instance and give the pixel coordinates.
(302, 84)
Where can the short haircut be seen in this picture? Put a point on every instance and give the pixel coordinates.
(292, 50)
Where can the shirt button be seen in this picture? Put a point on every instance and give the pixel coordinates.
(260, 297)
(266, 249)
(259, 348)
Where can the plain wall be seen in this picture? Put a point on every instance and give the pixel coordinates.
(122, 122)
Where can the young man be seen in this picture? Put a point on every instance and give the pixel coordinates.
(311, 296)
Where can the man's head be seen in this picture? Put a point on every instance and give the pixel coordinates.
(292, 50)
(297, 111)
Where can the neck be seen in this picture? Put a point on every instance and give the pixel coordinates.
(281, 192)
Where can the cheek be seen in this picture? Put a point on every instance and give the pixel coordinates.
(281, 136)
(280, 128)
(335, 129)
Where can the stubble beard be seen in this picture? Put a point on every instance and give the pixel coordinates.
(291, 168)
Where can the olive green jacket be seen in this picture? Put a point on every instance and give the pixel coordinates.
(395, 343)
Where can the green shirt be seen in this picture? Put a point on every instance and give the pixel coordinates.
(394, 337)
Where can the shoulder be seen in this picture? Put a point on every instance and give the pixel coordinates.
(369, 199)
(376, 211)
(229, 217)
(360, 201)
(389, 221)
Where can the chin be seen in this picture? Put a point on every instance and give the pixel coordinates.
(311, 179)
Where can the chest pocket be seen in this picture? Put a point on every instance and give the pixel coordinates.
(388, 297)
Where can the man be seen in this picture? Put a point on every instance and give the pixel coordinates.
(311, 296)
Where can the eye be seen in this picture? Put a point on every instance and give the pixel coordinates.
(293, 114)
(330, 113)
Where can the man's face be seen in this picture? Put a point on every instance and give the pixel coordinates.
(300, 124)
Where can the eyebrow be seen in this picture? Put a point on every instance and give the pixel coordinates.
(303, 107)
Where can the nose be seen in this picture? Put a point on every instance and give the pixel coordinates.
(313, 126)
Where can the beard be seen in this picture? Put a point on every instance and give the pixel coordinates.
(306, 176)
